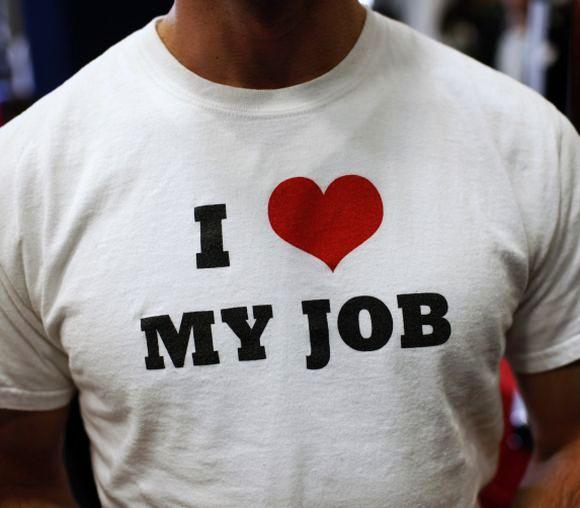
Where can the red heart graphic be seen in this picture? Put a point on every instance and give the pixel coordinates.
(327, 225)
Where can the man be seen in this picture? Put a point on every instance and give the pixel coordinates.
(279, 248)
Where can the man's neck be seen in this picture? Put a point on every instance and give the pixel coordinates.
(261, 44)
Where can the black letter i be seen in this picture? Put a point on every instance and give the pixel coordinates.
(212, 253)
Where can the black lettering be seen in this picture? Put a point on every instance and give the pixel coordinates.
(317, 311)
(176, 342)
(413, 320)
(349, 323)
(212, 253)
(237, 319)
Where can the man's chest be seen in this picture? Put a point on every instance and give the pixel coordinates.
(305, 265)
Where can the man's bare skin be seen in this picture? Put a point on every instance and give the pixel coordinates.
(261, 43)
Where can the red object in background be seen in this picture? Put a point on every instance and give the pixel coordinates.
(512, 462)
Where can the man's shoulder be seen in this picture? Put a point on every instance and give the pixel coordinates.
(446, 75)
(89, 93)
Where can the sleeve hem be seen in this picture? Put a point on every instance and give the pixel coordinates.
(22, 400)
(548, 359)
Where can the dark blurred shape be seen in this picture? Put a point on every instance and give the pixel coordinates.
(574, 95)
(65, 35)
(386, 8)
(4, 66)
(98, 25)
(557, 73)
(78, 461)
(475, 27)
(47, 28)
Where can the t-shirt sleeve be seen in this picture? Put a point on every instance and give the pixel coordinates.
(34, 372)
(545, 332)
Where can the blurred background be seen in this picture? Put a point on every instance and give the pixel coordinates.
(44, 42)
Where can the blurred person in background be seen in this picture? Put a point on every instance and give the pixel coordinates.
(512, 45)
(279, 250)
(474, 27)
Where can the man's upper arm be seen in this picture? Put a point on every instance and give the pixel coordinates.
(553, 402)
(545, 332)
(31, 447)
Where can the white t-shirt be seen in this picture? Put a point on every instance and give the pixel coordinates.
(239, 338)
